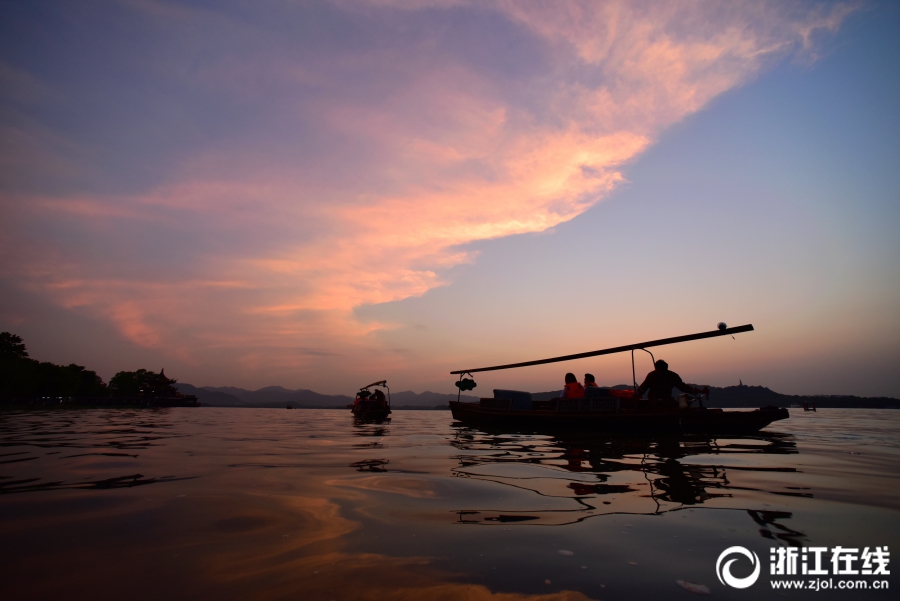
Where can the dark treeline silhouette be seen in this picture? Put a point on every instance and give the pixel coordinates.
(24, 380)
(142, 383)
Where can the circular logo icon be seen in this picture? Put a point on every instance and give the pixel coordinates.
(724, 571)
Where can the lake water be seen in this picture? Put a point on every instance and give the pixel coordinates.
(212, 503)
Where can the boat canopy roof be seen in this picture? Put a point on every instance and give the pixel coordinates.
(617, 349)
(378, 383)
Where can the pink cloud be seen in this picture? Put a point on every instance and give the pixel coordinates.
(446, 158)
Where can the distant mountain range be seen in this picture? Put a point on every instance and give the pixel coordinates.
(728, 397)
(276, 396)
(757, 396)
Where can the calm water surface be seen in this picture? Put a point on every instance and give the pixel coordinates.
(265, 503)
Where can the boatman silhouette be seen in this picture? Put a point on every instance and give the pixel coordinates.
(661, 381)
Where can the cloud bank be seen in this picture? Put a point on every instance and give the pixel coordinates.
(234, 182)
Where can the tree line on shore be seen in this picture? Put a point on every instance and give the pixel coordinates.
(25, 379)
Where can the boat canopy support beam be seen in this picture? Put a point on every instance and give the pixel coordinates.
(378, 383)
(633, 375)
(617, 349)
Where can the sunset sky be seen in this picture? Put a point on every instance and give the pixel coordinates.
(322, 194)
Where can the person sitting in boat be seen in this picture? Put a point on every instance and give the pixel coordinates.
(661, 381)
(362, 395)
(378, 398)
(573, 389)
(589, 381)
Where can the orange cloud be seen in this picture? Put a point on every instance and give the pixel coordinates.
(448, 157)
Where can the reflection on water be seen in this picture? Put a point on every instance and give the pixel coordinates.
(610, 475)
(239, 503)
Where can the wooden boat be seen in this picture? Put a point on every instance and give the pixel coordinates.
(610, 411)
(613, 416)
(372, 406)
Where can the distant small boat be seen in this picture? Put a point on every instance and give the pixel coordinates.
(610, 411)
(372, 405)
(289, 406)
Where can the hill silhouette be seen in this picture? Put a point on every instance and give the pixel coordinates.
(728, 397)
(278, 396)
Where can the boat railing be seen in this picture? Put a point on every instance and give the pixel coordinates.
(501, 404)
(609, 405)
(628, 404)
(597, 405)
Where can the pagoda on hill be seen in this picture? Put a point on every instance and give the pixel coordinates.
(157, 385)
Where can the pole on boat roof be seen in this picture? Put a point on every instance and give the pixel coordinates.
(617, 349)
(378, 383)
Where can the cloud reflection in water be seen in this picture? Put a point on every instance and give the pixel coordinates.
(273, 504)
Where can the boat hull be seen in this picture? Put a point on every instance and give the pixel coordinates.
(666, 421)
(370, 413)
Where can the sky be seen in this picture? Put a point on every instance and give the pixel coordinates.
(323, 194)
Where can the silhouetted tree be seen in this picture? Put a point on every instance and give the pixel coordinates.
(24, 378)
(84, 382)
(125, 383)
(12, 345)
(142, 383)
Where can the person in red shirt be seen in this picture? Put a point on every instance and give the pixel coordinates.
(573, 389)
(589, 381)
